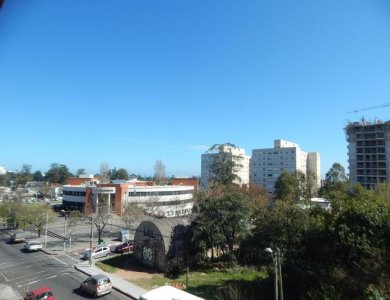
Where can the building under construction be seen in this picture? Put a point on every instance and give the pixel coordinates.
(368, 152)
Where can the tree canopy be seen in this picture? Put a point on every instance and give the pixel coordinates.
(222, 221)
(224, 165)
(121, 174)
(291, 187)
(57, 173)
(336, 182)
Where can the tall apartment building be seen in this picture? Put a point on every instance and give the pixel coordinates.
(242, 172)
(368, 152)
(268, 164)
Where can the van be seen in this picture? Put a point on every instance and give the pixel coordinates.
(17, 237)
(124, 235)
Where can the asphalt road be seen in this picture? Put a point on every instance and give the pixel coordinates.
(22, 271)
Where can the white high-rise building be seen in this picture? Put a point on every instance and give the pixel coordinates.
(2, 170)
(268, 164)
(232, 153)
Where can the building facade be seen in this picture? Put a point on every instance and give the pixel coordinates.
(268, 164)
(232, 153)
(2, 170)
(368, 152)
(158, 201)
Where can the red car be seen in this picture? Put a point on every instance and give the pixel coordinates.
(42, 293)
(125, 247)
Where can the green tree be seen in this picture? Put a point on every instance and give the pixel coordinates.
(291, 187)
(80, 171)
(35, 214)
(24, 175)
(37, 176)
(57, 173)
(121, 174)
(224, 165)
(222, 221)
(336, 182)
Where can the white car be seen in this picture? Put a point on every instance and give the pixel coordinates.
(97, 285)
(97, 252)
(33, 246)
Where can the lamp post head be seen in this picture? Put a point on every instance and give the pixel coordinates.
(268, 250)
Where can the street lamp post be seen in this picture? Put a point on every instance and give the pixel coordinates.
(90, 244)
(278, 272)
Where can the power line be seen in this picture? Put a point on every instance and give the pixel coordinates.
(369, 108)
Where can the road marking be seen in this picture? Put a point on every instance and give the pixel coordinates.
(72, 257)
(25, 275)
(59, 260)
(6, 279)
(29, 283)
(21, 283)
(12, 263)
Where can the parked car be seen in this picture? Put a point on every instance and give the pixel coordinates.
(97, 285)
(41, 293)
(124, 247)
(33, 246)
(17, 237)
(97, 252)
(123, 235)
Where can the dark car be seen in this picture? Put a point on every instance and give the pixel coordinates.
(125, 247)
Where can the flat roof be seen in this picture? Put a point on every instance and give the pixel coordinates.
(168, 292)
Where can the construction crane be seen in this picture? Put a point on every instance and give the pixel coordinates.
(369, 108)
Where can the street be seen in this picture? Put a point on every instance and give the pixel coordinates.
(22, 271)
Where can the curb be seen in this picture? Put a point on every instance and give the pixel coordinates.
(115, 288)
(47, 252)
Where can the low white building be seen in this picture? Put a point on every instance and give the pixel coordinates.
(164, 201)
(159, 201)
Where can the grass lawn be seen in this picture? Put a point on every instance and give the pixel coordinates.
(205, 284)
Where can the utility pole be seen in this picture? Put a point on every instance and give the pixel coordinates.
(47, 220)
(70, 239)
(90, 244)
(280, 273)
(66, 220)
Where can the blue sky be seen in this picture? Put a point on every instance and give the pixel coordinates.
(131, 82)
